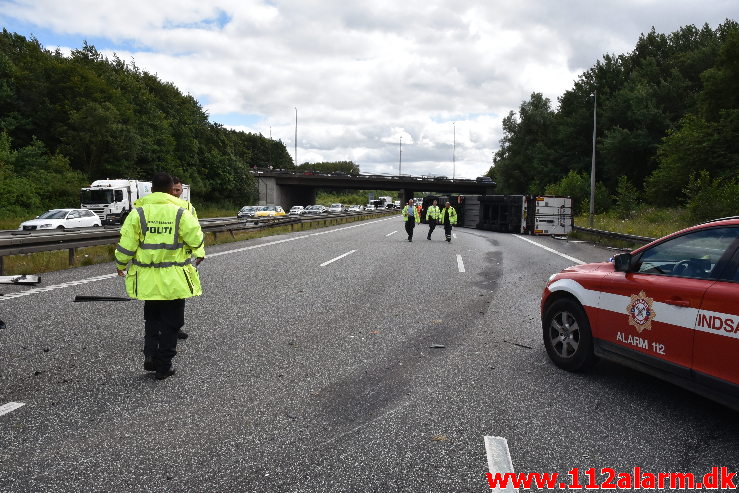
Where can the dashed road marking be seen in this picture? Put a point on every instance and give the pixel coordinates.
(337, 258)
(577, 261)
(392, 233)
(455, 235)
(499, 459)
(460, 263)
(10, 406)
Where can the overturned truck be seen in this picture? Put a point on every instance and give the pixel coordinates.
(523, 214)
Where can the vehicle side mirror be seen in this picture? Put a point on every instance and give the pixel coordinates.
(622, 262)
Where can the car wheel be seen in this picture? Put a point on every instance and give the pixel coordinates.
(60, 227)
(567, 335)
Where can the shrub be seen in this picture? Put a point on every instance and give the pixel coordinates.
(627, 198)
(712, 199)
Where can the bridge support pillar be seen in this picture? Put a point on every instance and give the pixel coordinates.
(285, 195)
(405, 195)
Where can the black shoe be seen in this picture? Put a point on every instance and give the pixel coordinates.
(181, 334)
(149, 364)
(161, 375)
(428, 237)
(410, 239)
(449, 240)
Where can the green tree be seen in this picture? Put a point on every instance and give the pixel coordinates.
(523, 162)
(348, 167)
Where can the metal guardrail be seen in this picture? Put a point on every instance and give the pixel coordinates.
(26, 242)
(618, 236)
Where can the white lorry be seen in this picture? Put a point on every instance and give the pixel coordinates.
(112, 200)
(386, 202)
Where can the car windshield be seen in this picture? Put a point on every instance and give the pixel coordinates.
(54, 214)
(267, 208)
(96, 196)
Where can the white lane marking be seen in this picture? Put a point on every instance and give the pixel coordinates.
(460, 263)
(499, 459)
(392, 233)
(337, 258)
(10, 406)
(455, 235)
(10, 296)
(577, 261)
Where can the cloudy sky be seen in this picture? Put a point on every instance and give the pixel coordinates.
(440, 74)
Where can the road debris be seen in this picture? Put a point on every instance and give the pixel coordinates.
(22, 279)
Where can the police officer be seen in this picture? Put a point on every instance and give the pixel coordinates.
(432, 215)
(187, 205)
(411, 216)
(177, 192)
(448, 217)
(157, 238)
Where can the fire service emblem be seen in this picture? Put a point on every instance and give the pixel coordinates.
(640, 311)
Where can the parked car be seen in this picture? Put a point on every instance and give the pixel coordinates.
(369, 207)
(336, 208)
(669, 308)
(297, 210)
(269, 211)
(356, 208)
(247, 211)
(316, 209)
(62, 219)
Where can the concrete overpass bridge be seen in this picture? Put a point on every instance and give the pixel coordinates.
(288, 188)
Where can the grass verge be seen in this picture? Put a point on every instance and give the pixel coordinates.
(645, 221)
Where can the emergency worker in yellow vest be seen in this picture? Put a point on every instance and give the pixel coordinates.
(448, 217)
(432, 215)
(187, 205)
(157, 238)
(411, 216)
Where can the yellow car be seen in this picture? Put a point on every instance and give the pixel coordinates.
(269, 211)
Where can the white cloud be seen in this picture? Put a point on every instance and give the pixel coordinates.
(363, 74)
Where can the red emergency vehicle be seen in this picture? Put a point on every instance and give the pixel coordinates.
(669, 308)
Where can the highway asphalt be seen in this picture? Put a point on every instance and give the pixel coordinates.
(334, 360)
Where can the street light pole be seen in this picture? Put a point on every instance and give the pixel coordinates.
(296, 136)
(454, 150)
(400, 157)
(592, 165)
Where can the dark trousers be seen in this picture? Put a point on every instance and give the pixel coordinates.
(448, 232)
(432, 226)
(409, 225)
(162, 321)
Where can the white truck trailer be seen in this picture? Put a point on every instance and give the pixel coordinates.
(112, 200)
